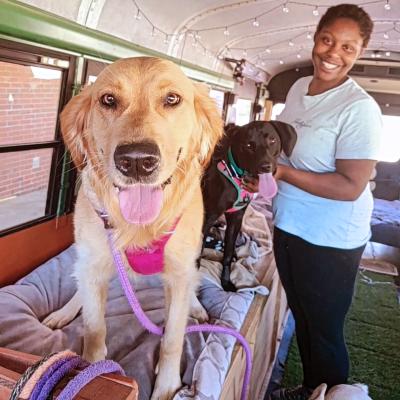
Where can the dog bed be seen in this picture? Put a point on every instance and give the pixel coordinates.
(385, 222)
(206, 357)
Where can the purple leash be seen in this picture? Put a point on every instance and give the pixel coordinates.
(151, 327)
(88, 374)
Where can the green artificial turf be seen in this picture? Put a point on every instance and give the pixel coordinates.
(373, 337)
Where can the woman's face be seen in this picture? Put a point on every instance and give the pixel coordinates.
(336, 48)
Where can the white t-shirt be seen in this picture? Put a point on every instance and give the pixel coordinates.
(341, 123)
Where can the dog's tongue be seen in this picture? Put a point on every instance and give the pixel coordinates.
(267, 186)
(140, 204)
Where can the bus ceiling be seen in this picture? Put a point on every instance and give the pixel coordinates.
(217, 42)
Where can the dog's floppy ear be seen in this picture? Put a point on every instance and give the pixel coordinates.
(73, 121)
(319, 392)
(287, 134)
(209, 122)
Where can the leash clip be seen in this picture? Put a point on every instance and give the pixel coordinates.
(104, 217)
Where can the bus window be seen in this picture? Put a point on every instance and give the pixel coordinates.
(31, 91)
(218, 96)
(243, 111)
(390, 142)
(276, 110)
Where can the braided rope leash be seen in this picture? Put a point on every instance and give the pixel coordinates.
(40, 388)
(151, 327)
(26, 376)
(44, 364)
(62, 364)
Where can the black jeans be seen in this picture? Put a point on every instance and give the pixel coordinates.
(319, 284)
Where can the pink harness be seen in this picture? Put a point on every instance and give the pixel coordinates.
(243, 196)
(150, 260)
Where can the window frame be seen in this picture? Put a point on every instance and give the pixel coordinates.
(28, 55)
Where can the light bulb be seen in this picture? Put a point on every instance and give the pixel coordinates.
(315, 12)
(256, 23)
(387, 5)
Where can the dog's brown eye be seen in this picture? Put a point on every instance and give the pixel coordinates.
(108, 100)
(172, 99)
(251, 146)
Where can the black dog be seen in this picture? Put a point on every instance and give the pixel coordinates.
(244, 151)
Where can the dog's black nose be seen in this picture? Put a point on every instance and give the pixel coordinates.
(137, 160)
(265, 168)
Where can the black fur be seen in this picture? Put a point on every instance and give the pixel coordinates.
(255, 148)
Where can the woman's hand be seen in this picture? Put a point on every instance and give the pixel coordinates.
(250, 183)
(280, 171)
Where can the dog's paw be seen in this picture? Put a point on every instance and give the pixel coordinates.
(165, 387)
(92, 355)
(197, 310)
(57, 319)
(199, 313)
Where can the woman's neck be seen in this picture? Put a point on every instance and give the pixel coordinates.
(318, 86)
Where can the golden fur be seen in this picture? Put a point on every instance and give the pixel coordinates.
(91, 133)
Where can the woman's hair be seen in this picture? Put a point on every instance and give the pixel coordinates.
(350, 11)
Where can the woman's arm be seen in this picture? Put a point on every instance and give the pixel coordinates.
(346, 183)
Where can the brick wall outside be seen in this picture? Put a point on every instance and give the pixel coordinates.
(28, 113)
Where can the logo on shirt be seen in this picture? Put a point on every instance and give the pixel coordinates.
(298, 123)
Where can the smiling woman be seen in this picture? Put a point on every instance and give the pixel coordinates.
(341, 36)
(324, 183)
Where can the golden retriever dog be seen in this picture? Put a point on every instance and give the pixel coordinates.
(141, 135)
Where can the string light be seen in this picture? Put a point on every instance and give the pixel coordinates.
(268, 50)
(255, 21)
(281, 62)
